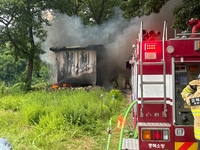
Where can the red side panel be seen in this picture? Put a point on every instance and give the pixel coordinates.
(185, 47)
(153, 113)
(188, 134)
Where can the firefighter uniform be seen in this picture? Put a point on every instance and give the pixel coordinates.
(191, 95)
(189, 89)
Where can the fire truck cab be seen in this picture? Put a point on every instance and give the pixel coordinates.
(161, 68)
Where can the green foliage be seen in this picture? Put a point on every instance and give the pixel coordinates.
(18, 87)
(14, 71)
(70, 7)
(116, 94)
(51, 122)
(187, 10)
(2, 88)
(11, 102)
(41, 72)
(96, 12)
(134, 8)
(32, 113)
(41, 119)
(10, 69)
(40, 86)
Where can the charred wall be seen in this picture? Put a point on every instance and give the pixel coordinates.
(79, 65)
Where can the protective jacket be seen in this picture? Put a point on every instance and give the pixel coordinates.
(191, 95)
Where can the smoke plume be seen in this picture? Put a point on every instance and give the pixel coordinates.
(118, 34)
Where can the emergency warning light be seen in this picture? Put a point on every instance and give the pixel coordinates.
(150, 35)
(150, 46)
(150, 50)
(155, 134)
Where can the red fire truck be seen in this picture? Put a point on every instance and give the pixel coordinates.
(159, 74)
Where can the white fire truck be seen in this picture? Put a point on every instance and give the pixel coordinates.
(164, 67)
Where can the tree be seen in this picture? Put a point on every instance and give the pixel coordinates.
(96, 12)
(22, 27)
(10, 70)
(189, 9)
(134, 8)
(69, 7)
(42, 75)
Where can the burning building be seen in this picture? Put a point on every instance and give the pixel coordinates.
(80, 65)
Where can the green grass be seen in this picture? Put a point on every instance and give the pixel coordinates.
(61, 119)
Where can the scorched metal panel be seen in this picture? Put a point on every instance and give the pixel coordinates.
(77, 67)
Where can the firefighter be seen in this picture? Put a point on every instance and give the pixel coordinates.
(127, 82)
(114, 78)
(129, 63)
(191, 95)
(127, 75)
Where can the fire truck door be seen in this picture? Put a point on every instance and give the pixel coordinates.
(184, 73)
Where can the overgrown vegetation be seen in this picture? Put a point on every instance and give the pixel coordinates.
(60, 119)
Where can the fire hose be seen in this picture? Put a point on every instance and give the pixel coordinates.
(122, 128)
(109, 134)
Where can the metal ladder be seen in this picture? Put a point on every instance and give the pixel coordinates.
(163, 82)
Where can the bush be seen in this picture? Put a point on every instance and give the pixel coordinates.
(33, 113)
(11, 102)
(116, 94)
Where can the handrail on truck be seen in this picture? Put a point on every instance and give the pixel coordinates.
(141, 70)
(164, 37)
(185, 35)
(164, 65)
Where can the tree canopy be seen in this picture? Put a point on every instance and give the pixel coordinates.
(96, 12)
(187, 10)
(138, 8)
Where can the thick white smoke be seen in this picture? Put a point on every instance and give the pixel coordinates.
(117, 34)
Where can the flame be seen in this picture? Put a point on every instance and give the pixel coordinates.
(55, 86)
(121, 121)
(66, 85)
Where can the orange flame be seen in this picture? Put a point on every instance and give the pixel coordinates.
(55, 86)
(66, 85)
(120, 121)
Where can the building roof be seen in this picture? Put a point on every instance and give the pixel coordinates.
(68, 48)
